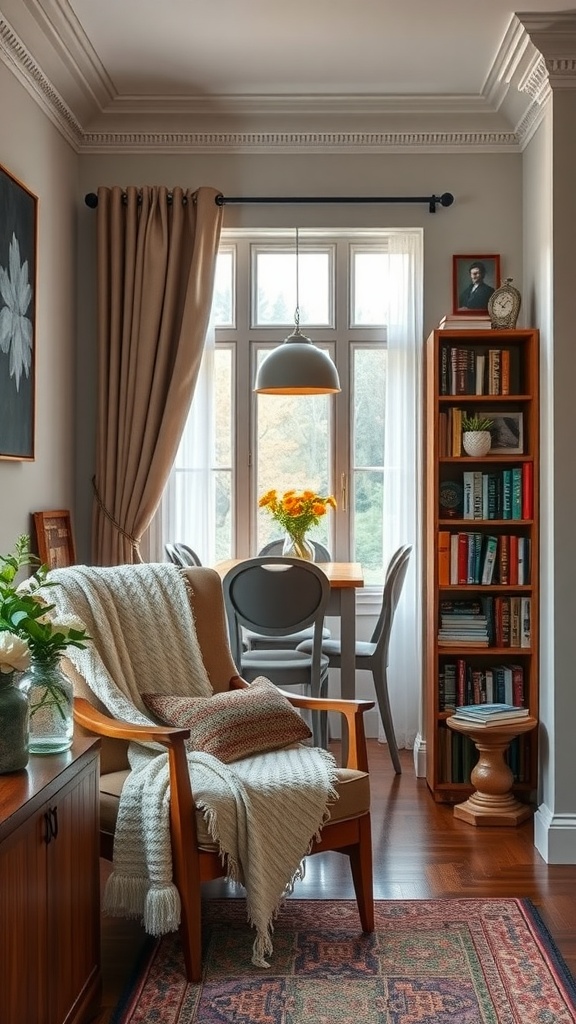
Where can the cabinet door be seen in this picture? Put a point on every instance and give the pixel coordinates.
(73, 899)
(23, 923)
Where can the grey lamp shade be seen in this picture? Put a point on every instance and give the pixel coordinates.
(297, 367)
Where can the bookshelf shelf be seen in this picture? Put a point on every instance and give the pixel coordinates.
(501, 546)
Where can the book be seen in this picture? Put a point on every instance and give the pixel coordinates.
(491, 713)
(527, 490)
(443, 558)
(468, 323)
(480, 373)
(505, 371)
(525, 622)
(517, 492)
(485, 723)
(494, 371)
(490, 550)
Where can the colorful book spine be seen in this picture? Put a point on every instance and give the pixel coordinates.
(443, 558)
(526, 622)
(517, 492)
(527, 490)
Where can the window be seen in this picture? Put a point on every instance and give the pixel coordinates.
(332, 444)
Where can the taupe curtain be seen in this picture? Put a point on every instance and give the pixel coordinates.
(156, 261)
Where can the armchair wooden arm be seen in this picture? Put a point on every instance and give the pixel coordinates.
(182, 817)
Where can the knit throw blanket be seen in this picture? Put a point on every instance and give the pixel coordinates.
(263, 812)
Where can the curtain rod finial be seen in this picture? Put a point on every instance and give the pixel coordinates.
(91, 200)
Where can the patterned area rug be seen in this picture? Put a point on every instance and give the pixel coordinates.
(428, 962)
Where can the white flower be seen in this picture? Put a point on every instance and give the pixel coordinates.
(14, 653)
(15, 326)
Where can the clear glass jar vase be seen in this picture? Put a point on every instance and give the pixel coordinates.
(13, 725)
(297, 546)
(50, 698)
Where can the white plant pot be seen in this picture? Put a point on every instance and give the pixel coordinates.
(476, 442)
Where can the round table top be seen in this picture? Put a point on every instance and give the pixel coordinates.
(513, 728)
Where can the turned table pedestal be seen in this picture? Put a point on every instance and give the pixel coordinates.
(493, 803)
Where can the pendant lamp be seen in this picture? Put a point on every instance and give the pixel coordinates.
(297, 366)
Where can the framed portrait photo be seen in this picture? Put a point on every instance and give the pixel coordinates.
(54, 538)
(18, 237)
(474, 278)
(507, 433)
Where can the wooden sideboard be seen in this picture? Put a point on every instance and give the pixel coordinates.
(50, 888)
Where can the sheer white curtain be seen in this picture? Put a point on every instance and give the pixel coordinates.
(403, 474)
(186, 512)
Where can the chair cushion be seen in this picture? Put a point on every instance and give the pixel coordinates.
(235, 724)
(353, 789)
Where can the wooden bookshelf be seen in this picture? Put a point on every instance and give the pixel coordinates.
(466, 667)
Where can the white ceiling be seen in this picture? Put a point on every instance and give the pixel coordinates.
(180, 67)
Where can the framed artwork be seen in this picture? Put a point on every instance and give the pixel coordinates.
(474, 278)
(54, 538)
(507, 433)
(18, 238)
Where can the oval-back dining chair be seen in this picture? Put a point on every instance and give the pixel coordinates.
(256, 641)
(276, 597)
(182, 555)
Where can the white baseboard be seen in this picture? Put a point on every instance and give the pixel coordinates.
(420, 756)
(555, 836)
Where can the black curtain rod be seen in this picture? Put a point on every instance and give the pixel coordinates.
(446, 199)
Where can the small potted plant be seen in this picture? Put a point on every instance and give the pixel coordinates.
(476, 436)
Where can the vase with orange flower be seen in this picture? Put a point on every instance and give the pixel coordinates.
(297, 512)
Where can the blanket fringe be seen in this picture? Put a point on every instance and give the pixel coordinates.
(162, 909)
(124, 895)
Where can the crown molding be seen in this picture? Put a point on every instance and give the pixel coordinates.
(17, 58)
(501, 119)
(299, 142)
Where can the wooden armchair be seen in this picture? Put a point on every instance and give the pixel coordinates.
(195, 856)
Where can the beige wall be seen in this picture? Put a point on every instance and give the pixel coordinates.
(35, 153)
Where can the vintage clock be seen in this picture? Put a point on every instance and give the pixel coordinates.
(504, 306)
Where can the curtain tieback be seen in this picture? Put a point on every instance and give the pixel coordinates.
(135, 543)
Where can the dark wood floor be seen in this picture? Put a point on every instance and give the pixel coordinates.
(420, 851)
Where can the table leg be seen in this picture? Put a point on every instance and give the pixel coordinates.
(492, 803)
(347, 654)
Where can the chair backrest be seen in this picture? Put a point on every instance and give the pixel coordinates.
(182, 555)
(274, 547)
(207, 607)
(395, 575)
(275, 596)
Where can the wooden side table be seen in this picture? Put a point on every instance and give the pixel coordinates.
(493, 803)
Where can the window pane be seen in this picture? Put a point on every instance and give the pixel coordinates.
(223, 405)
(224, 514)
(224, 416)
(293, 451)
(223, 303)
(368, 404)
(369, 274)
(368, 524)
(276, 288)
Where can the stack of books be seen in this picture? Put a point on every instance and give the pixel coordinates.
(464, 322)
(463, 623)
(490, 714)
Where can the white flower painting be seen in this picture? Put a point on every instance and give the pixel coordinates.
(15, 326)
(18, 227)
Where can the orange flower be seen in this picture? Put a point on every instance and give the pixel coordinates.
(297, 511)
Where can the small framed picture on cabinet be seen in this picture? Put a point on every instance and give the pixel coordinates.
(474, 278)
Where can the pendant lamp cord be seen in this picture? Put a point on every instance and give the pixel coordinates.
(297, 310)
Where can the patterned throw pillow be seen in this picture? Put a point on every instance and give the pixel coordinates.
(234, 724)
